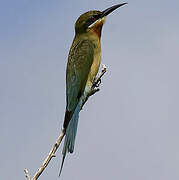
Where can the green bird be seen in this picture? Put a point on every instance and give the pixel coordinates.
(83, 64)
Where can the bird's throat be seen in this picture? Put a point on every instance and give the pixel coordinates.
(97, 27)
(96, 30)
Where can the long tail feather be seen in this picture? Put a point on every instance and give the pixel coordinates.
(63, 159)
(71, 134)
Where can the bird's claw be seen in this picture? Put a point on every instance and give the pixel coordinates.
(98, 83)
(93, 91)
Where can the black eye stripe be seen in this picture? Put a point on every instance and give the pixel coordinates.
(91, 20)
(96, 16)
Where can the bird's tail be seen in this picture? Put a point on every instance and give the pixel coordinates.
(70, 133)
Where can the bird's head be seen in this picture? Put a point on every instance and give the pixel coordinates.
(92, 21)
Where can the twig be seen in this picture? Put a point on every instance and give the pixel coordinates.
(27, 174)
(52, 152)
(47, 160)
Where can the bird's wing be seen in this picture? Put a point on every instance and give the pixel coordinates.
(79, 63)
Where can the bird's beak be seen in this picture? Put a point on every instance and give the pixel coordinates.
(104, 14)
(111, 9)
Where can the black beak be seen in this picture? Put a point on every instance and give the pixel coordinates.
(111, 9)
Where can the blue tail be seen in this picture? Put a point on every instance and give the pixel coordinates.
(71, 133)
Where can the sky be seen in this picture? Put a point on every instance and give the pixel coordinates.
(128, 130)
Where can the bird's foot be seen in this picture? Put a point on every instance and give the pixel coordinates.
(96, 84)
(97, 80)
(93, 91)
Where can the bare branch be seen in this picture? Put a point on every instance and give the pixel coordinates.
(47, 160)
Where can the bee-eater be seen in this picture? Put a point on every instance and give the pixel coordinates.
(82, 67)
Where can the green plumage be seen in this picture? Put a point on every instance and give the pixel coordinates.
(83, 65)
(80, 60)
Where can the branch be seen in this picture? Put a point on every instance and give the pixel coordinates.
(94, 89)
(47, 160)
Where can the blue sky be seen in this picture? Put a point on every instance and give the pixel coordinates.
(129, 130)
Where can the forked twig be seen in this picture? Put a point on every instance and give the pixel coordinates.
(47, 160)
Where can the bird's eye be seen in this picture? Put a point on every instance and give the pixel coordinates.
(92, 18)
(90, 21)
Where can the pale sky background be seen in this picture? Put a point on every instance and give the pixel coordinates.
(127, 131)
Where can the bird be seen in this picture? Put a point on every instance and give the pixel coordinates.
(82, 67)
